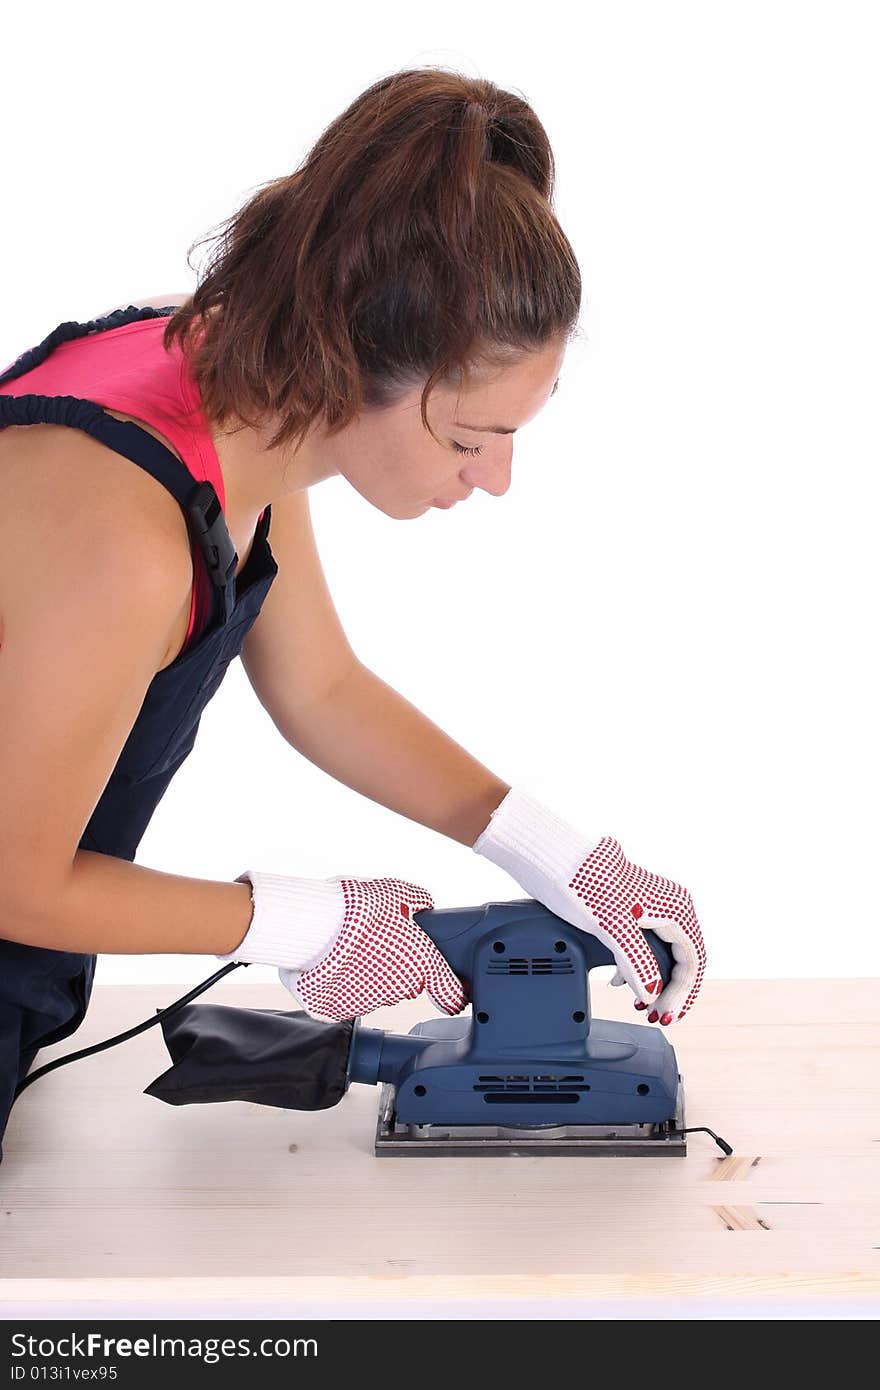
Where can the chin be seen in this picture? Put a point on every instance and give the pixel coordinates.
(399, 511)
(415, 509)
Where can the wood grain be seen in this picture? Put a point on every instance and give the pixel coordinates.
(107, 1193)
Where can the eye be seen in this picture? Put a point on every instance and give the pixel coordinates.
(478, 449)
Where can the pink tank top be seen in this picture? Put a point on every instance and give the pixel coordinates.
(127, 369)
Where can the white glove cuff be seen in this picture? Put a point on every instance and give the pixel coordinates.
(295, 920)
(523, 836)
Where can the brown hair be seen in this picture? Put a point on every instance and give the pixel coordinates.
(416, 238)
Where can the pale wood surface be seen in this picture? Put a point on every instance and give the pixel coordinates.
(106, 1193)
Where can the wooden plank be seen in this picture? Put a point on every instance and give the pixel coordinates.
(106, 1193)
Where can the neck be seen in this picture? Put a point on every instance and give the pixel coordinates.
(255, 476)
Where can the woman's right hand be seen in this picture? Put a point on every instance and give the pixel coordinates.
(379, 957)
(346, 946)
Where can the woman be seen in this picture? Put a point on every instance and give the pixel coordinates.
(392, 312)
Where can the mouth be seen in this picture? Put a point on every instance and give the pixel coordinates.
(446, 502)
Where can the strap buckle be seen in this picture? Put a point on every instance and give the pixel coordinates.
(209, 525)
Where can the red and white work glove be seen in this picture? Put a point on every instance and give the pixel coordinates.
(592, 885)
(346, 946)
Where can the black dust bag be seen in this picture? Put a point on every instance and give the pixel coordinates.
(267, 1056)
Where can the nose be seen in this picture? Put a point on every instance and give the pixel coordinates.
(492, 475)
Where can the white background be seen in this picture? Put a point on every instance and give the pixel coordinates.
(666, 628)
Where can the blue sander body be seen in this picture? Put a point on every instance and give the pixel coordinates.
(528, 1070)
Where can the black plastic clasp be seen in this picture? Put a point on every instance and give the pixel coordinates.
(209, 527)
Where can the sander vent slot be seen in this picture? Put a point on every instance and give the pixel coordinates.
(534, 965)
(530, 1085)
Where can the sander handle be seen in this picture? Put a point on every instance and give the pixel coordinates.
(456, 932)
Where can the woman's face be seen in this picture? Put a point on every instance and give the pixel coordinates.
(394, 462)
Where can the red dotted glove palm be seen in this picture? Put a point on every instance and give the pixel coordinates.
(592, 885)
(379, 957)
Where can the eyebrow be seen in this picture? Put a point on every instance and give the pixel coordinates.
(486, 429)
(496, 429)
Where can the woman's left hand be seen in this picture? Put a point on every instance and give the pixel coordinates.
(592, 885)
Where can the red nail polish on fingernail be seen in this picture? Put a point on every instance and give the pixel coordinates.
(652, 1016)
(667, 1018)
(640, 1005)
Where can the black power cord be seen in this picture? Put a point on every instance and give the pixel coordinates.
(702, 1129)
(130, 1033)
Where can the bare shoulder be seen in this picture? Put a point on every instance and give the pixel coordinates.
(81, 506)
(76, 513)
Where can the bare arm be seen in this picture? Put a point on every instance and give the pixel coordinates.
(365, 734)
(108, 904)
(75, 663)
(340, 715)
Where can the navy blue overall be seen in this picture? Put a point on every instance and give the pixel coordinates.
(44, 993)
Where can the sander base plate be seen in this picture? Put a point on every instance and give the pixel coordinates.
(520, 1141)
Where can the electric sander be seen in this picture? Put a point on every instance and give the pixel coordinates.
(527, 1071)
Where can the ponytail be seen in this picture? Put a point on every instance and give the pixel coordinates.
(416, 240)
